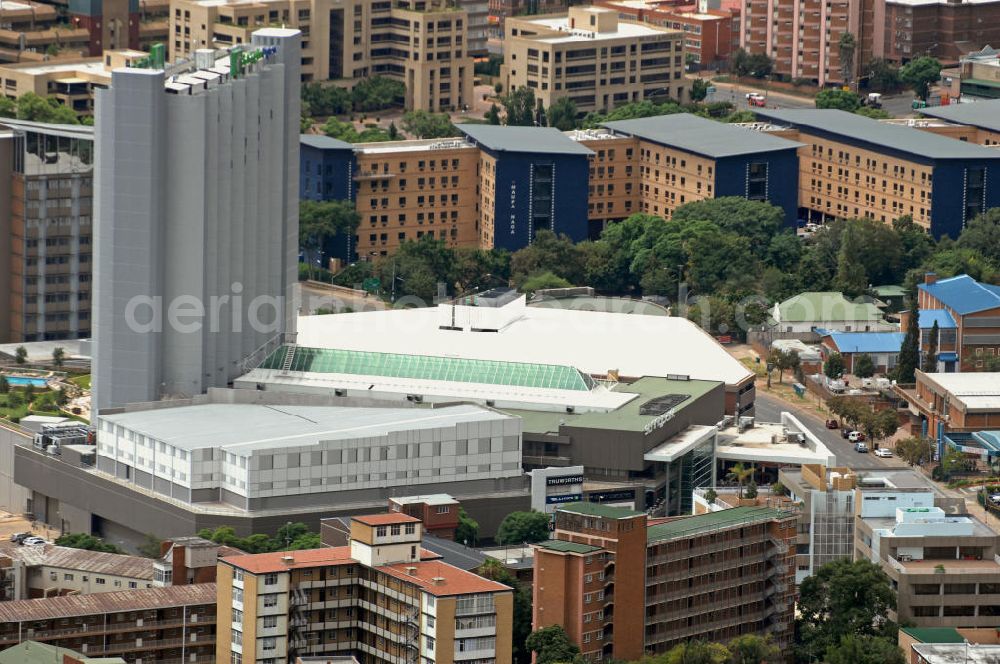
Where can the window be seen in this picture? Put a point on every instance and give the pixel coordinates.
(237, 616)
(67, 577)
(270, 579)
(235, 658)
(101, 581)
(267, 643)
(381, 531)
(443, 509)
(270, 600)
(394, 529)
(411, 528)
(270, 622)
(237, 637)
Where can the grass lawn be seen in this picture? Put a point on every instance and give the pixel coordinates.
(760, 369)
(43, 403)
(83, 380)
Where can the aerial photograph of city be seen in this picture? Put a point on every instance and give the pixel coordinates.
(499, 331)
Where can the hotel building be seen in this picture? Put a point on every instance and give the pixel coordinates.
(198, 208)
(594, 58)
(852, 166)
(623, 585)
(382, 598)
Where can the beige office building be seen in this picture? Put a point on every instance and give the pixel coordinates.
(422, 43)
(594, 58)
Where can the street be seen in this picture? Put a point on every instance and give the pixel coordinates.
(768, 409)
(897, 106)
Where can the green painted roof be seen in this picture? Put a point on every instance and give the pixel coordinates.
(827, 307)
(568, 547)
(32, 652)
(597, 509)
(701, 523)
(427, 367)
(934, 634)
(626, 418)
(890, 290)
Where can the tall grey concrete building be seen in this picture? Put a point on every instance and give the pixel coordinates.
(196, 219)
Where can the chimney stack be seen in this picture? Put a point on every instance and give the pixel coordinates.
(930, 278)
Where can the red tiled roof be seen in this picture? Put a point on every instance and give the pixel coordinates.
(385, 519)
(441, 579)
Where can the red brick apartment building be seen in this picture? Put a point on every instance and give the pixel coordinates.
(968, 316)
(709, 35)
(623, 585)
(438, 512)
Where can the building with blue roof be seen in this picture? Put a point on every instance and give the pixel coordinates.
(881, 347)
(967, 313)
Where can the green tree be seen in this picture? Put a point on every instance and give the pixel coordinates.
(493, 115)
(376, 93)
(88, 542)
(758, 221)
(519, 106)
(393, 132)
(843, 598)
(740, 474)
(548, 252)
(751, 490)
(873, 113)
(697, 652)
(836, 98)
(31, 106)
(323, 100)
(754, 649)
(982, 234)
(521, 628)
(523, 528)
(491, 67)
(741, 116)
(467, 531)
(424, 124)
(931, 356)
(883, 76)
(914, 450)
(833, 367)
(21, 355)
(58, 356)
(864, 650)
(909, 352)
(151, 546)
(920, 74)
(562, 114)
(952, 462)
(542, 281)
(320, 221)
(757, 65)
(847, 46)
(551, 645)
(851, 279)
(4, 385)
(863, 366)
(8, 108)
(699, 89)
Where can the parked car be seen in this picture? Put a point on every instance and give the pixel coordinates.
(33, 541)
(845, 432)
(883, 452)
(832, 424)
(19, 537)
(995, 499)
(856, 436)
(861, 447)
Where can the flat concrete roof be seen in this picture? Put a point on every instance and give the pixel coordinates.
(976, 390)
(243, 428)
(957, 653)
(626, 30)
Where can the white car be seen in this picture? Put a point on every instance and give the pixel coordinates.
(34, 541)
(883, 452)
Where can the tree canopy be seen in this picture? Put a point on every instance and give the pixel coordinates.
(839, 99)
(562, 114)
(523, 528)
(920, 74)
(88, 542)
(424, 124)
(290, 537)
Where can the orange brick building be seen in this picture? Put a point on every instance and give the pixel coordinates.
(622, 585)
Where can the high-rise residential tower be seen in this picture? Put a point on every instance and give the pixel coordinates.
(196, 218)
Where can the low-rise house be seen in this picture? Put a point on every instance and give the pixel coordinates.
(827, 310)
(881, 347)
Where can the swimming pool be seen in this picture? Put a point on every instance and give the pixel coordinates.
(22, 381)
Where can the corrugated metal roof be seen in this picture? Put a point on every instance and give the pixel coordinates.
(698, 135)
(930, 316)
(983, 114)
(597, 509)
(701, 523)
(102, 603)
(548, 140)
(33, 652)
(867, 342)
(826, 307)
(964, 295)
(857, 128)
(934, 634)
(64, 557)
(563, 546)
(324, 142)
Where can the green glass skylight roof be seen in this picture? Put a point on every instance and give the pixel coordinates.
(424, 367)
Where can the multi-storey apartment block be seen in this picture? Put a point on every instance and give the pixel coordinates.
(943, 566)
(623, 586)
(422, 43)
(382, 598)
(46, 231)
(903, 30)
(852, 166)
(941, 403)
(594, 58)
(802, 38)
(173, 624)
(708, 33)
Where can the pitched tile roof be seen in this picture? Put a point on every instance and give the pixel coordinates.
(441, 579)
(280, 561)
